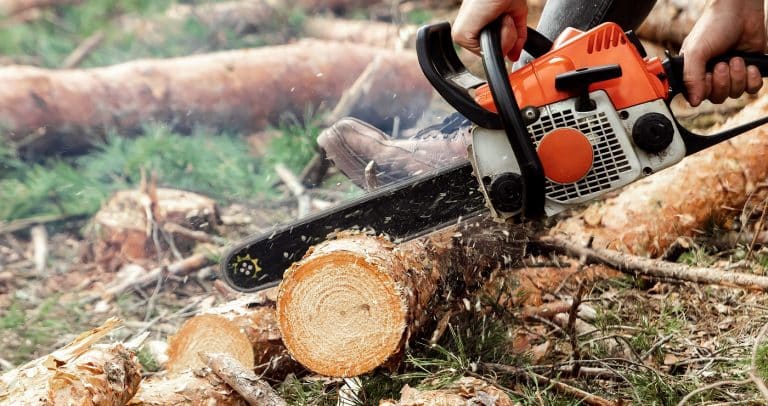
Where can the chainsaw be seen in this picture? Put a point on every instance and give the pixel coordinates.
(589, 115)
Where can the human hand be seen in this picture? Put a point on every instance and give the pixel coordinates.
(474, 15)
(726, 25)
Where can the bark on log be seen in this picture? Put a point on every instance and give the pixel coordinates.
(65, 111)
(254, 390)
(465, 391)
(351, 304)
(374, 33)
(9, 8)
(649, 215)
(373, 99)
(80, 373)
(670, 21)
(189, 388)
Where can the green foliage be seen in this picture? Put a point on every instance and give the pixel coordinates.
(48, 41)
(761, 361)
(697, 256)
(147, 361)
(302, 392)
(298, 143)
(461, 351)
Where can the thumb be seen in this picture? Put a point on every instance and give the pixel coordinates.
(694, 74)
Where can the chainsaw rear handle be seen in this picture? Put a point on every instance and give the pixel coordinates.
(448, 75)
(673, 65)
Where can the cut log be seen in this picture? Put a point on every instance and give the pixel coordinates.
(81, 373)
(250, 318)
(129, 226)
(649, 215)
(351, 304)
(66, 111)
(206, 333)
(9, 8)
(465, 391)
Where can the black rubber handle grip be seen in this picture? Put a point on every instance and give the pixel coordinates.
(697, 142)
(674, 67)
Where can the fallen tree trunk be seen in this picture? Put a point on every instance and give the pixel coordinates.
(352, 304)
(649, 215)
(80, 373)
(65, 111)
(9, 8)
(670, 21)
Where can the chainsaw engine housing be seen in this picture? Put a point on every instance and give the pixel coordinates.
(595, 110)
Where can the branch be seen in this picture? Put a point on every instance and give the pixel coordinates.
(254, 390)
(635, 265)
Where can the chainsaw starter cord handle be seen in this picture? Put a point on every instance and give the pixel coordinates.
(531, 168)
(673, 66)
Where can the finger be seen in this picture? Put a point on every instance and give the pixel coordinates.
(508, 35)
(754, 79)
(721, 83)
(466, 29)
(738, 72)
(707, 86)
(522, 35)
(694, 76)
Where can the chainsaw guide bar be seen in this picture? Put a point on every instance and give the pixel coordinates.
(401, 211)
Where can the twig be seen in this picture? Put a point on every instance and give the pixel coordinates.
(758, 227)
(689, 396)
(585, 397)
(635, 265)
(297, 189)
(201, 236)
(83, 50)
(571, 329)
(39, 247)
(253, 390)
(21, 224)
(582, 395)
(371, 181)
(182, 267)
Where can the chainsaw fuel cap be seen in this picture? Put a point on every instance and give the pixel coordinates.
(566, 155)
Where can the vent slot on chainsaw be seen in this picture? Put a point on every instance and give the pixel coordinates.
(611, 167)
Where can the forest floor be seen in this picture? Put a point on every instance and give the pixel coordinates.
(635, 340)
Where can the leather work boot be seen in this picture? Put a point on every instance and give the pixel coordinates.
(352, 144)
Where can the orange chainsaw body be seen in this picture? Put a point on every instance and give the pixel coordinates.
(642, 79)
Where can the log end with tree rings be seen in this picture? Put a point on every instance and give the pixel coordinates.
(343, 309)
(207, 333)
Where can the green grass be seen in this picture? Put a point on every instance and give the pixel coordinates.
(30, 331)
(215, 164)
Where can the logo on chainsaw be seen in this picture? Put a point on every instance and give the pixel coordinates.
(246, 265)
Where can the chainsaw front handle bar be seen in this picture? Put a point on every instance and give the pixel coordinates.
(673, 65)
(442, 67)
